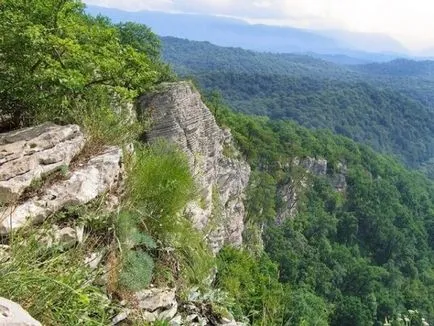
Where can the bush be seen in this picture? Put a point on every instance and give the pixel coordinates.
(159, 187)
(254, 285)
(55, 59)
(136, 264)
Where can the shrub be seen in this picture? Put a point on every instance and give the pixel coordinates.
(254, 285)
(54, 56)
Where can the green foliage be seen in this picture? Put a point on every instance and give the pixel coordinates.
(380, 110)
(253, 284)
(141, 38)
(261, 185)
(160, 185)
(192, 253)
(361, 255)
(305, 308)
(136, 272)
(136, 264)
(57, 63)
(55, 287)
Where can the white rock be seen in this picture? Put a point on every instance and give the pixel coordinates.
(176, 321)
(96, 177)
(153, 299)
(79, 232)
(12, 314)
(167, 314)
(5, 253)
(121, 316)
(93, 259)
(67, 237)
(27, 154)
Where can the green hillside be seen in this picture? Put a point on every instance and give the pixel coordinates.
(348, 258)
(315, 93)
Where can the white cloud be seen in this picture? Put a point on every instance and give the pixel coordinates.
(410, 21)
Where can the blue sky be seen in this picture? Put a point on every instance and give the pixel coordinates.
(410, 22)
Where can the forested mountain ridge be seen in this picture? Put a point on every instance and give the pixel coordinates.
(189, 57)
(360, 246)
(315, 93)
(415, 79)
(127, 198)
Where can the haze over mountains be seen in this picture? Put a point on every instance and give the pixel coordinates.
(346, 47)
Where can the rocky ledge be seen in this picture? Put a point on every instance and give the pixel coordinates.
(30, 154)
(12, 314)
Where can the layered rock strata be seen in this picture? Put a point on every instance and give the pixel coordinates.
(178, 114)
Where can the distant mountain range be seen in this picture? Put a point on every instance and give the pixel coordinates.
(336, 46)
(389, 106)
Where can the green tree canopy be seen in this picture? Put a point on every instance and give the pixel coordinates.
(54, 57)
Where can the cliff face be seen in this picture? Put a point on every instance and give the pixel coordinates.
(289, 192)
(178, 114)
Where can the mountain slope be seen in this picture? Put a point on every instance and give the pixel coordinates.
(358, 247)
(313, 92)
(413, 78)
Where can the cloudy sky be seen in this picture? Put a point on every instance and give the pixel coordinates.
(409, 21)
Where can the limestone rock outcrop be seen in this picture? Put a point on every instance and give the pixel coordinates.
(178, 114)
(27, 154)
(289, 193)
(157, 304)
(12, 314)
(162, 304)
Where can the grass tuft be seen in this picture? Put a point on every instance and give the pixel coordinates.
(54, 286)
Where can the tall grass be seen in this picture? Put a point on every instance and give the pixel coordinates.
(55, 286)
(159, 187)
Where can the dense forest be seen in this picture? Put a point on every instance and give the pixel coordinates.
(359, 255)
(353, 257)
(317, 94)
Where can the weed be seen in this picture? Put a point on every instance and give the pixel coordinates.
(55, 287)
(160, 185)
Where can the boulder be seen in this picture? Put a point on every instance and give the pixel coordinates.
(12, 314)
(28, 154)
(123, 315)
(94, 178)
(153, 299)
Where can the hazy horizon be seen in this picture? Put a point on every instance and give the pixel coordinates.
(410, 23)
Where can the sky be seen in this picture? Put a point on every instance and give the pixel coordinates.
(409, 21)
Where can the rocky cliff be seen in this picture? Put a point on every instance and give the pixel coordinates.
(49, 168)
(298, 181)
(178, 114)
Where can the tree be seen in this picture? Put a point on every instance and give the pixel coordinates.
(54, 58)
(141, 38)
